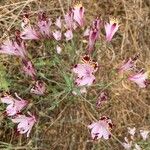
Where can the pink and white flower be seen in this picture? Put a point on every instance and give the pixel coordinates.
(144, 134)
(78, 14)
(29, 33)
(25, 123)
(38, 88)
(14, 105)
(85, 80)
(101, 128)
(28, 68)
(69, 20)
(58, 49)
(69, 35)
(127, 65)
(13, 48)
(140, 79)
(84, 74)
(44, 25)
(93, 34)
(111, 28)
(58, 22)
(57, 35)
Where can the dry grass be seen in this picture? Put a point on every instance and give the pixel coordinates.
(63, 118)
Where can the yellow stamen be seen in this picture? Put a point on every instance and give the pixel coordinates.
(78, 5)
(114, 21)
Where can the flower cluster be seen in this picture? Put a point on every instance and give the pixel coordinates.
(141, 78)
(132, 143)
(84, 71)
(13, 110)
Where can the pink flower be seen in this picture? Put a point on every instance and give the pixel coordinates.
(78, 14)
(111, 29)
(13, 48)
(144, 134)
(44, 24)
(69, 20)
(57, 35)
(25, 123)
(101, 128)
(84, 74)
(140, 79)
(69, 35)
(93, 34)
(58, 49)
(85, 80)
(58, 22)
(28, 68)
(38, 88)
(102, 98)
(83, 70)
(127, 66)
(29, 33)
(14, 105)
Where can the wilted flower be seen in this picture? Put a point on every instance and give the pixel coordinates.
(111, 29)
(78, 14)
(14, 105)
(144, 134)
(57, 35)
(127, 145)
(127, 65)
(131, 131)
(93, 34)
(58, 22)
(140, 79)
(44, 25)
(28, 68)
(58, 49)
(38, 88)
(25, 123)
(82, 91)
(101, 128)
(69, 35)
(13, 48)
(102, 98)
(137, 147)
(69, 20)
(86, 32)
